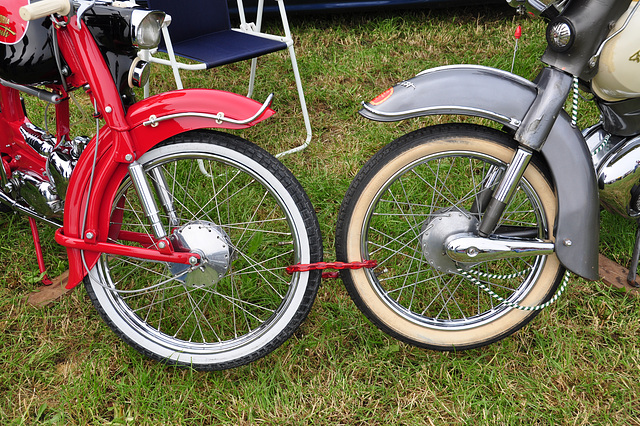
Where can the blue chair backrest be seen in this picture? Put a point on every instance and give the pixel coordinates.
(193, 18)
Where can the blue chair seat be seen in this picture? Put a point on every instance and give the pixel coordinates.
(225, 47)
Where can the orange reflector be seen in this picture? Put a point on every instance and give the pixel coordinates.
(382, 97)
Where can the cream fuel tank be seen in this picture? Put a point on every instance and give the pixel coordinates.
(618, 75)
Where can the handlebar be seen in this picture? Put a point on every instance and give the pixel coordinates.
(44, 8)
(547, 8)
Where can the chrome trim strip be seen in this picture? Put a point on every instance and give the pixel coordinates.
(494, 71)
(446, 110)
(595, 57)
(220, 117)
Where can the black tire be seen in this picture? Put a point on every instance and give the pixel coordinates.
(229, 197)
(391, 210)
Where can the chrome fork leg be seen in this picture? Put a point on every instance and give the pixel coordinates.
(484, 195)
(162, 189)
(504, 192)
(146, 197)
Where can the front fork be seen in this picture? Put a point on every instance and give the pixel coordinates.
(505, 190)
(148, 201)
(158, 248)
(553, 88)
(146, 198)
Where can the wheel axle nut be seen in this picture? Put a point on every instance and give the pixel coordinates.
(193, 260)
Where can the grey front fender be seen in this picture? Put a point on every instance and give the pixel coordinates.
(505, 98)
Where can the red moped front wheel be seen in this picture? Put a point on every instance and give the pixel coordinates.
(240, 208)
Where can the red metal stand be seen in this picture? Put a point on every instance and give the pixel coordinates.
(36, 242)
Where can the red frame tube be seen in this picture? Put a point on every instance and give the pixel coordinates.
(122, 250)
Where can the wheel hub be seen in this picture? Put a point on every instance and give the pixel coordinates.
(435, 232)
(214, 247)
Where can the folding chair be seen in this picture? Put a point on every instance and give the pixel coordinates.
(201, 30)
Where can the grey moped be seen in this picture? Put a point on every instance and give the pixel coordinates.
(475, 228)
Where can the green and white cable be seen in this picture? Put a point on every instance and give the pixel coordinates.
(477, 282)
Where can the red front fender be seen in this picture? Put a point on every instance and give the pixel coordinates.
(151, 121)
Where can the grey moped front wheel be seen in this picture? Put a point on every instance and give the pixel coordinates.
(399, 210)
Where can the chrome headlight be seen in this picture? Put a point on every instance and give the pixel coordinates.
(560, 35)
(146, 28)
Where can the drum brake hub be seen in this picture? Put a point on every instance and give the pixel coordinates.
(213, 245)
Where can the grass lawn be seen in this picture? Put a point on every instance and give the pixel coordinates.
(578, 362)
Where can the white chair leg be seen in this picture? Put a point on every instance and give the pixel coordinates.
(172, 57)
(252, 77)
(296, 74)
(254, 61)
(303, 106)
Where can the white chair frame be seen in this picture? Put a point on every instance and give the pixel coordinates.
(255, 30)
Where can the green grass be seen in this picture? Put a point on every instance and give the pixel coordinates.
(576, 363)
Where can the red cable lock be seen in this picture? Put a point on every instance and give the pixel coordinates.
(330, 265)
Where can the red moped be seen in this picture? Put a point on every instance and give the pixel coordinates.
(182, 234)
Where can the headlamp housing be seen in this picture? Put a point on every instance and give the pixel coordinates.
(560, 34)
(146, 28)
